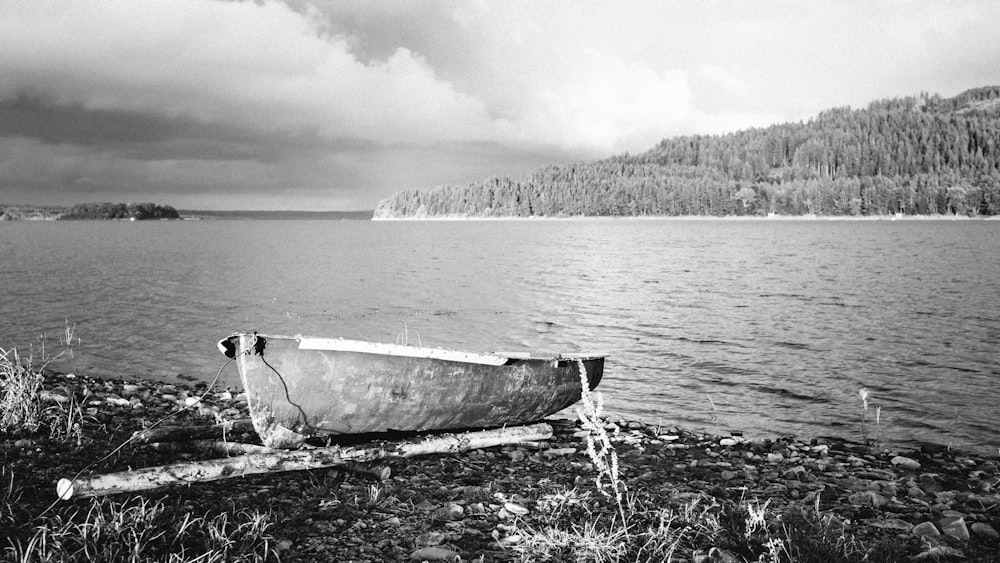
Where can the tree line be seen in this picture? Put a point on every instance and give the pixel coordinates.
(137, 211)
(914, 155)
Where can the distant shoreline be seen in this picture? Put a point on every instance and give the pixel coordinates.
(363, 215)
(48, 213)
(697, 218)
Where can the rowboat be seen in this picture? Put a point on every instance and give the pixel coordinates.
(301, 387)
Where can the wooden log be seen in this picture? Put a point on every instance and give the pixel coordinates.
(378, 472)
(211, 447)
(298, 460)
(179, 433)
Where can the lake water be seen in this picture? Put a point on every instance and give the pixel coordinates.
(764, 327)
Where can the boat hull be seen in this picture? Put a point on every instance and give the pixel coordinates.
(301, 387)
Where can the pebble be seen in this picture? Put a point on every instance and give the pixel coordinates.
(53, 397)
(954, 527)
(867, 498)
(117, 401)
(716, 555)
(516, 455)
(454, 511)
(796, 472)
(905, 463)
(939, 553)
(925, 529)
(435, 554)
(891, 524)
(984, 530)
(925, 494)
(515, 509)
(430, 539)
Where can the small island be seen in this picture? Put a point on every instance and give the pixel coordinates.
(88, 211)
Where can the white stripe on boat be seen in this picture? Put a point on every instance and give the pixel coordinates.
(344, 345)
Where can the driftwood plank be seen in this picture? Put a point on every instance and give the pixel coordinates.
(280, 460)
(211, 447)
(376, 472)
(180, 433)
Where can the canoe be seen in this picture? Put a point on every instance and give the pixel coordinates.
(302, 387)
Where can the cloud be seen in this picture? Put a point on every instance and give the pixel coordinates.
(266, 66)
(724, 78)
(352, 100)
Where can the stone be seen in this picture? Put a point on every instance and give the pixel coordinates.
(905, 462)
(925, 529)
(939, 553)
(118, 401)
(434, 554)
(983, 500)
(867, 498)
(728, 442)
(775, 458)
(796, 472)
(891, 524)
(515, 509)
(954, 527)
(449, 513)
(945, 497)
(983, 530)
(430, 539)
(716, 555)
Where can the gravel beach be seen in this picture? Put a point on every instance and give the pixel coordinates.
(495, 504)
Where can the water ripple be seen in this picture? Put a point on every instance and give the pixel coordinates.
(765, 327)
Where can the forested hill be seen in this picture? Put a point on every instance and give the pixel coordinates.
(915, 155)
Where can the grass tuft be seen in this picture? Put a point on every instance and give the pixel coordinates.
(22, 412)
(20, 395)
(10, 496)
(143, 530)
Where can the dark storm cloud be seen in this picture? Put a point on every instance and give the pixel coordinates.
(153, 137)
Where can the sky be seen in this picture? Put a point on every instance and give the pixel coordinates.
(323, 105)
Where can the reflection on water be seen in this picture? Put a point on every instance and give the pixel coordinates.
(760, 326)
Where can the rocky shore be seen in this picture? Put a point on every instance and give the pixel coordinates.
(513, 503)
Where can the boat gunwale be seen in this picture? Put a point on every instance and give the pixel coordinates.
(404, 350)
